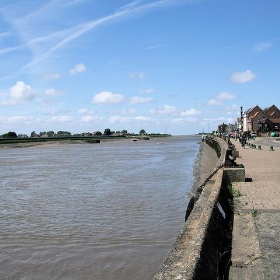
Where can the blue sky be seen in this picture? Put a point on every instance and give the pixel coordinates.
(175, 66)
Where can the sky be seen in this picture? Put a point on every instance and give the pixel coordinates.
(167, 66)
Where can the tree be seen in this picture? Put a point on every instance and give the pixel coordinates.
(142, 132)
(63, 133)
(10, 134)
(50, 133)
(33, 134)
(107, 131)
(124, 131)
(97, 133)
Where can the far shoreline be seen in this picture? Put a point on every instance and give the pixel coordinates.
(23, 143)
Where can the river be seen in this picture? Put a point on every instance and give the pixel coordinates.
(93, 211)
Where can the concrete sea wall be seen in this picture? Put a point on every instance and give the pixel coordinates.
(203, 247)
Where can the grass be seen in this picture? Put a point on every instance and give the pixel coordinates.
(235, 193)
(254, 213)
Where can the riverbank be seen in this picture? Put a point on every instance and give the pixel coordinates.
(205, 163)
(81, 140)
(43, 143)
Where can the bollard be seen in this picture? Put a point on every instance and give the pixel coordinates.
(271, 148)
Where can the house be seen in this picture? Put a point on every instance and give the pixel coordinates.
(273, 118)
(256, 119)
(251, 118)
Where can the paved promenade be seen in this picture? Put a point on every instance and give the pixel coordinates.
(256, 233)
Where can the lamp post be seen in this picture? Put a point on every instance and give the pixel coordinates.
(241, 118)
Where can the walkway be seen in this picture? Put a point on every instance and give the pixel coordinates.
(256, 239)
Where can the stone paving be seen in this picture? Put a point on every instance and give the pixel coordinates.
(256, 246)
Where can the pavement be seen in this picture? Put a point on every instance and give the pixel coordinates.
(255, 245)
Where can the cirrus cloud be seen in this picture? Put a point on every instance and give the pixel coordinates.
(262, 46)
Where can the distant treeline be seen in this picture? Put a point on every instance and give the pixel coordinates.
(89, 139)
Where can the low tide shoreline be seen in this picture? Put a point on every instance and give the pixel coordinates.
(53, 142)
(32, 144)
(205, 163)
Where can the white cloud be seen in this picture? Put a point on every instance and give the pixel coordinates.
(85, 111)
(142, 118)
(136, 99)
(214, 102)
(55, 112)
(19, 119)
(243, 77)
(191, 112)
(53, 92)
(225, 96)
(183, 121)
(19, 93)
(107, 97)
(218, 100)
(82, 111)
(88, 118)
(121, 119)
(177, 120)
(61, 118)
(218, 119)
(231, 120)
(164, 110)
(79, 68)
(118, 119)
(138, 76)
(128, 111)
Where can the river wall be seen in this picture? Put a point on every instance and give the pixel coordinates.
(203, 248)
